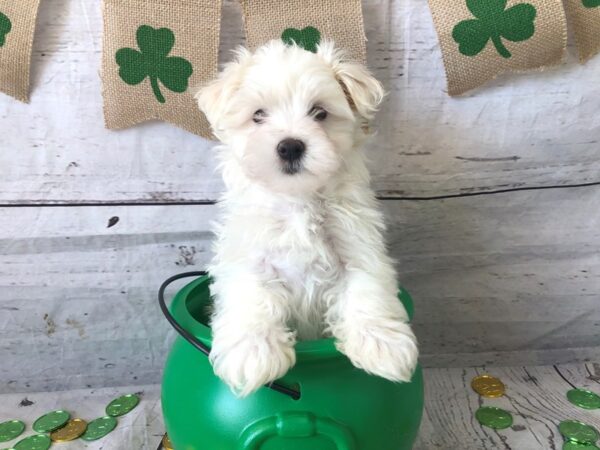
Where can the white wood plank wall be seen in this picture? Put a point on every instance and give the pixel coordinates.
(499, 278)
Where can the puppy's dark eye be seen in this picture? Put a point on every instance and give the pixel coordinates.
(259, 116)
(318, 113)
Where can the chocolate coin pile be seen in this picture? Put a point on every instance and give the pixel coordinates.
(488, 386)
(58, 426)
(584, 399)
(578, 432)
(579, 435)
(51, 421)
(492, 417)
(99, 428)
(11, 429)
(35, 442)
(122, 405)
(571, 445)
(71, 431)
(166, 443)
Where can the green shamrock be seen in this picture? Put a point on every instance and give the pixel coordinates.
(5, 27)
(494, 22)
(152, 61)
(591, 3)
(308, 38)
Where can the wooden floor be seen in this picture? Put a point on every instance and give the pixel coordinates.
(535, 397)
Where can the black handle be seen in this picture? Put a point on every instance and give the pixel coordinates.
(195, 341)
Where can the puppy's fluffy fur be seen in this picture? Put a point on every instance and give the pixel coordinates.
(299, 253)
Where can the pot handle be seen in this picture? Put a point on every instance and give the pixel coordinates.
(296, 425)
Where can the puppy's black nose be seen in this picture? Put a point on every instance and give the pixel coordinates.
(290, 149)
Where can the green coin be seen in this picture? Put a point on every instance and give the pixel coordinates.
(578, 432)
(10, 430)
(571, 445)
(122, 405)
(36, 442)
(51, 421)
(99, 428)
(494, 417)
(584, 399)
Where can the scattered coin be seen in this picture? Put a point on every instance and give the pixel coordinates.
(51, 421)
(166, 442)
(492, 417)
(99, 428)
(10, 430)
(71, 431)
(122, 405)
(488, 386)
(584, 398)
(570, 445)
(579, 432)
(36, 442)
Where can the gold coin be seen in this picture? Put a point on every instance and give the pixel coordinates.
(71, 431)
(488, 386)
(166, 443)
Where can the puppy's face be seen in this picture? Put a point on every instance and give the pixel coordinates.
(289, 116)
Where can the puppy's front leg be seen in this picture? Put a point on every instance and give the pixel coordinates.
(368, 320)
(251, 344)
(372, 329)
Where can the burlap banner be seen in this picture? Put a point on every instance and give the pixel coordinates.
(585, 18)
(481, 39)
(155, 53)
(17, 27)
(306, 22)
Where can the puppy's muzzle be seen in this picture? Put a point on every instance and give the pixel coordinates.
(290, 152)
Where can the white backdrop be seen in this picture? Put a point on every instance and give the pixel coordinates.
(505, 278)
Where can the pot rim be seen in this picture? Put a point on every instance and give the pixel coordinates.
(305, 350)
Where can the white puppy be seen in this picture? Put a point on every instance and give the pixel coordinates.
(299, 251)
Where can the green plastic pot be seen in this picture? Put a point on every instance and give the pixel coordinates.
(339, 407)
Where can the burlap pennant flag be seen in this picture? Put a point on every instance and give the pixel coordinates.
(306, 22)
(585, 18)
(155, 53)
(17, 28)
(481, 39)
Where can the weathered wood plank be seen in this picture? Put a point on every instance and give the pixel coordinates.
(586, 375)
(536, 397)
(522, 130)
(533, 254)
(78, 299)
(494, 283)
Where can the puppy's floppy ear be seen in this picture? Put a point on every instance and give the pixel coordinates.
(363, 91)
(214, 98)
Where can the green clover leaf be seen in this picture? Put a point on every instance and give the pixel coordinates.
(591, 3)
(5, 27)
(493, 21)
(152, 61)
(308, 38)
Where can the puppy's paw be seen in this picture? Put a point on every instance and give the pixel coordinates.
(254, 361)
(389, 350)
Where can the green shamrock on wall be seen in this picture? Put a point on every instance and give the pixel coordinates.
(152, 61)
(591, 3)
(308, 38)
(493, 21)
(5, 27)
